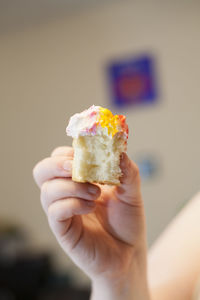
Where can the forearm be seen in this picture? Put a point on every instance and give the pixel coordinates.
(130, 286)
(174, 264)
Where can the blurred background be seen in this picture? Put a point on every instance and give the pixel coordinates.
(138, 58)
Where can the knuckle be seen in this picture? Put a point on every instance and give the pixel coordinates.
(43, 203)
(52, 212)
(45, 191)
(36, 173)
(54, 189)
(38, 167)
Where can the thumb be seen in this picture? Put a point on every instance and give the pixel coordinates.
(129, 189)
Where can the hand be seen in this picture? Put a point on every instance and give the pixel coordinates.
(101, 228)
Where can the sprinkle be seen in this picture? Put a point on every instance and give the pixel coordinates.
(90, 121)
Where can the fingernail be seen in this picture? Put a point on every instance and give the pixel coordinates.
(67, 166)
(92, 189)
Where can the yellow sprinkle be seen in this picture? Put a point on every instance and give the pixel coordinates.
(107, 119)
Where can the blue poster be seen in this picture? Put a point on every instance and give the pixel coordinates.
(132, 81)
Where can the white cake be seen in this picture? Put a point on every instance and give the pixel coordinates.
(99, 138)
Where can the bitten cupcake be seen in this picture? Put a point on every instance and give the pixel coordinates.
(99, 138)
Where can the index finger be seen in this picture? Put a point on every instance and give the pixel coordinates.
(52, 167)
(63, 151)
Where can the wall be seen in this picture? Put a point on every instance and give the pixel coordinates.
(51, 71)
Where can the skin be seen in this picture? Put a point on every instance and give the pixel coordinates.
(174, 264)
(101, 228)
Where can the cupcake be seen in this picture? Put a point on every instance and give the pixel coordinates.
(99, 138)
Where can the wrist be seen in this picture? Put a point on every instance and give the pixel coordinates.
(111, 291)
(130, 286)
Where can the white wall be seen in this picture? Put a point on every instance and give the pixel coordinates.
(51, 71)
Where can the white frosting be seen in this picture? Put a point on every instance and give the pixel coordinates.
(87, 123)
(83, 123)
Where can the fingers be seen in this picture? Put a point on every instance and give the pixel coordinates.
(62, 198)
(63, 151)
(66, 208)
(61, 212)
(129, 189)
(57, 189)
(58, 165)
(51, 167)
